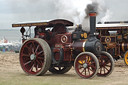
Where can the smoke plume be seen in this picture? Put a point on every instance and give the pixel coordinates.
(93, 7)
(77, 10)
(73, 10)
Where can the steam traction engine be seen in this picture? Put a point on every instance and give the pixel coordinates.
(55, 49)
(114, 37)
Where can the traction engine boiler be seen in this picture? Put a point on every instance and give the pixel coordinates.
(55, 49)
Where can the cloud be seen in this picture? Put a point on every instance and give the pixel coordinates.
(34, 10)
(30, 6)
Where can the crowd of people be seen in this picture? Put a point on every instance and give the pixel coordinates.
(5, 46)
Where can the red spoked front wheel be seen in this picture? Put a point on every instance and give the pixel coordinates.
(35, 56)
(106, 63)
(86, 65)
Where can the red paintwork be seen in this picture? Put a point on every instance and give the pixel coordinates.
(92, 14)
(67, 46)
(59, 37)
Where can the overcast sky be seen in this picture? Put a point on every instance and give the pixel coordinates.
(14, 11)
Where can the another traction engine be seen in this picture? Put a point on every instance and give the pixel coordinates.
(55, 49)
(114, 37)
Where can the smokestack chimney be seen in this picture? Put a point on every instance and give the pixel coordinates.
(92, 15)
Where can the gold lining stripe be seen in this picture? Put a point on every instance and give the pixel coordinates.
(30, 24)
(84, 45)
(123, 47)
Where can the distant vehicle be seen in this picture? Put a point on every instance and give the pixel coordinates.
(114, 37)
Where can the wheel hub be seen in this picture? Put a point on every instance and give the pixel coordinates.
(85, 65)
(33, 56)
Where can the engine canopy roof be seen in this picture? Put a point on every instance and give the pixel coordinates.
(51, 23)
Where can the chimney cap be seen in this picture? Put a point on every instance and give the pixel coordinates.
(92, 14)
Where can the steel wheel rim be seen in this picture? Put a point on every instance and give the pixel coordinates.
(105, 65)
(87, 67)
(32, 57)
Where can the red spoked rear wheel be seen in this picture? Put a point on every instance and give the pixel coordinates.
(86, 65)
(106, 63)
(35, 56)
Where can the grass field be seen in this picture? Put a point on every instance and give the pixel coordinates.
(12, 74)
